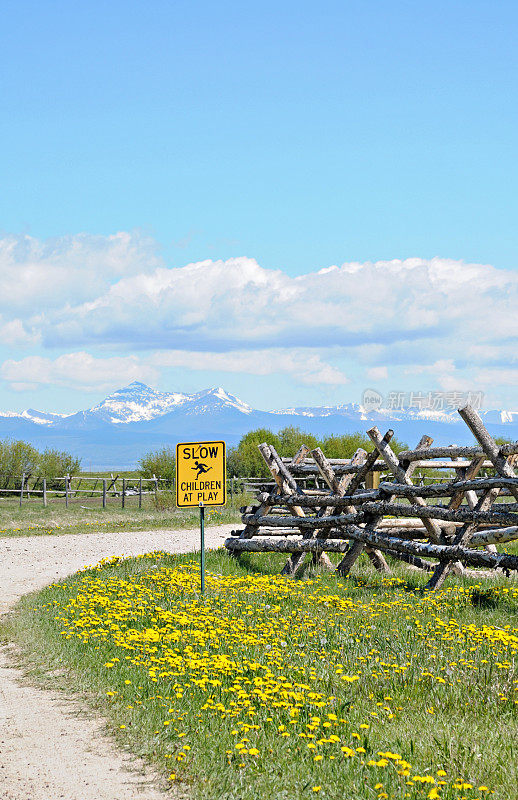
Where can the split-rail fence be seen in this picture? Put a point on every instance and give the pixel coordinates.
(395, 519)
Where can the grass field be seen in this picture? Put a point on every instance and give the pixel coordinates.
(32, 519)
(354, 688)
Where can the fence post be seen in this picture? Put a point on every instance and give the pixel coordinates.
(123, 491)
(44, 493)
(104, 492)
(140, 493)
(21, 490)
(156, 486)
(66, 491)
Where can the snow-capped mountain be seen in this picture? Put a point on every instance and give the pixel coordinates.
(136, 419)
(135, 403)
(359, 412)
(138, 403)
(38, 417)
(215, 400)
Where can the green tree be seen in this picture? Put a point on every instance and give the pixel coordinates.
(345, 445)
(54, 464)
(291, 439)
(246, 459)
(161, 462)
(16, 457)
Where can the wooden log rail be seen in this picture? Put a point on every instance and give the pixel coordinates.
(306, 469)
(445, 490)
(453, 452)
(470, 556)
(509, 513)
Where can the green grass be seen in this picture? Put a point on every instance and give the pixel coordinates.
(33, 520)
(209, 688)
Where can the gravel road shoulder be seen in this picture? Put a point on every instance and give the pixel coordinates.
(48, 750)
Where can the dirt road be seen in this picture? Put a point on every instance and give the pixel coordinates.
(47, 751)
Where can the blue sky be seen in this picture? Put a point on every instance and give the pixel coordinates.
(292, 136)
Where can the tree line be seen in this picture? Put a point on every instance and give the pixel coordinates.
(17, 458)
(245, 460)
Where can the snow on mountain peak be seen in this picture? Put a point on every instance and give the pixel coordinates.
(136, 403)
(139, 402)
(217, 398)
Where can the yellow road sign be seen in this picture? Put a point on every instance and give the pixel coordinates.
(200, 474)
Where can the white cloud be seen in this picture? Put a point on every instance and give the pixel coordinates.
(305, 366)
(237, 304)
(440, 318)
(37, 276)
(82, 370)
(499, 376)
(14, 333)
(377, 373)
(76, 370)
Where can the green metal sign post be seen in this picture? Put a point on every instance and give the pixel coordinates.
(202, 547)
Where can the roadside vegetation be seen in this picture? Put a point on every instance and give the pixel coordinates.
(32, 519)
(266, 687)
(245, 460)
(18, 458)
(85, 513)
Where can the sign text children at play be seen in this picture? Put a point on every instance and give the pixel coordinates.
(200, 474)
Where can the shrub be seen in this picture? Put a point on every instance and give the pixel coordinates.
(162, 463)
(15, 459)
(56, 464)
(291, 439)
(245, 460)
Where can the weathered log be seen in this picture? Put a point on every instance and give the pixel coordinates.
(326, 470)
(381, 446)
(341, 532)
(466, 473)
(266, 504)
(446, 489)
(286, 482)
(475, 558)
(495, 454)
(414, 561)
(495, 536)
(367, 466)
(452, 451)
(280, 545)
(356, 548)
(508, 515)
(307, 523)
(465, 533)
(463, 536)
(308, 469)
(322, 500)
(337, 485)
(294, 561)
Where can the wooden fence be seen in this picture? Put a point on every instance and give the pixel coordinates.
(356, 512)
(72, 488)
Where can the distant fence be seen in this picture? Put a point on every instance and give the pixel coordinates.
(71, 489)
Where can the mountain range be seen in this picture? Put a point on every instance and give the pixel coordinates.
(136, 419)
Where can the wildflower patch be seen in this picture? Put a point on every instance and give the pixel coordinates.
(268, 687)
